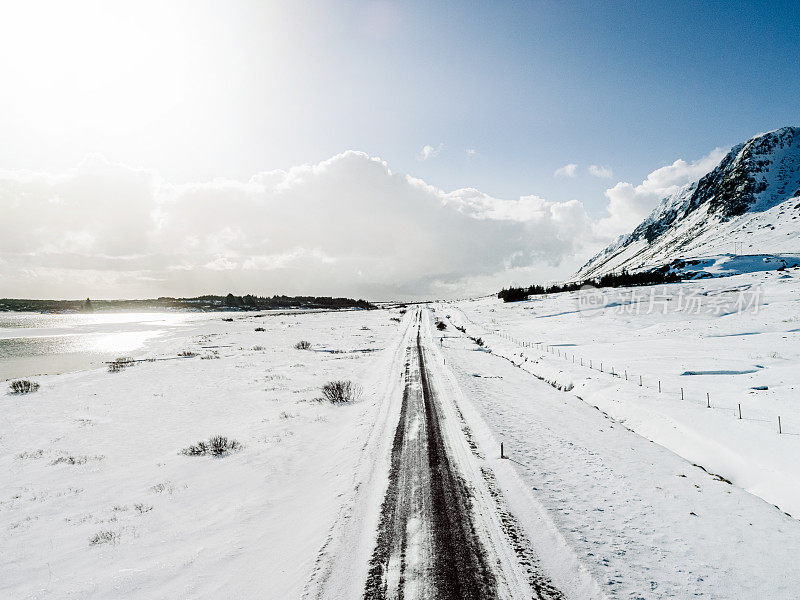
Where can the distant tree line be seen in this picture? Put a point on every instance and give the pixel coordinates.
(249, 301)
(199, 303)
(613, 280)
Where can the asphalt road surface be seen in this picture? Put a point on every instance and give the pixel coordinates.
(427, 545)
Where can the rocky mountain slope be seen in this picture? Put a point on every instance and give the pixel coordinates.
(749, 204)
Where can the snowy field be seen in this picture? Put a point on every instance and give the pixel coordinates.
(729, 343)
(98, 500)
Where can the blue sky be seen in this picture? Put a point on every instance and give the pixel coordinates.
(503, 94)
(535, 85)
(530, 86)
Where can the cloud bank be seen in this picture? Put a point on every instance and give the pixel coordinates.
(345, 226)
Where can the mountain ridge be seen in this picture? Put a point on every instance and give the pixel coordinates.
(753, 180)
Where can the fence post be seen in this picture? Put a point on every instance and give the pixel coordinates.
(681, 393)
(708, 400)
(626, 374)
(779, 424)
(640, 381)
(659, 386)
(740, 412)
(501, 450)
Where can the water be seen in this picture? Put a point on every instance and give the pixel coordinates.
(42, 344)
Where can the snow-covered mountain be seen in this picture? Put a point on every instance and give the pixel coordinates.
(749, 204)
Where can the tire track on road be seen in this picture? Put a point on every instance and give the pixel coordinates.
(428, 545)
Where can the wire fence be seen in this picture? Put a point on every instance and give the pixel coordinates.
(777, 423)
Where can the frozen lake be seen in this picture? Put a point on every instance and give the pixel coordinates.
(39, 344)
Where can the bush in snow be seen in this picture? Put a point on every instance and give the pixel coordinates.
(23, 386)
(260, 329)
(303, 345)
(120, 363)
(187, 354)
(104, 537)
(441, 325)
(340, 392)
(217, 445)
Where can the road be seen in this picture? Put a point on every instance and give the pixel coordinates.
(438, 532)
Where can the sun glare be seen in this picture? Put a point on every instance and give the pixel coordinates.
(69, 68)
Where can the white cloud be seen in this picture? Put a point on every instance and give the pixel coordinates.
(429, 151)
(471, 151)
(601, 172)
(628, 204)
(568, 170)
(345, 226)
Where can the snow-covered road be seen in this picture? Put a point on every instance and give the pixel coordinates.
(443, 530)
(438, 534)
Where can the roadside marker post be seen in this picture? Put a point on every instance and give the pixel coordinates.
(779, 424)
(502, 455)
(740, 412)
(708, 400)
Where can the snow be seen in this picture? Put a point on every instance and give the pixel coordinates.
(245, 525)
(642, 520)
(735, 334)
(620, 491)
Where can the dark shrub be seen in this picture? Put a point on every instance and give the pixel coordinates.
(120, 363)
(303, 345)
(104, 537)
(340, 392)
(23, 386)
(217, 445)
(441, 325)
(260, 329)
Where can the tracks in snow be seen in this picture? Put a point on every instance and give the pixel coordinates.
(439, 535)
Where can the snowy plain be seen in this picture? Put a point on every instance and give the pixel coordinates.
(730, 343)
(96, 456)
(98, 501)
